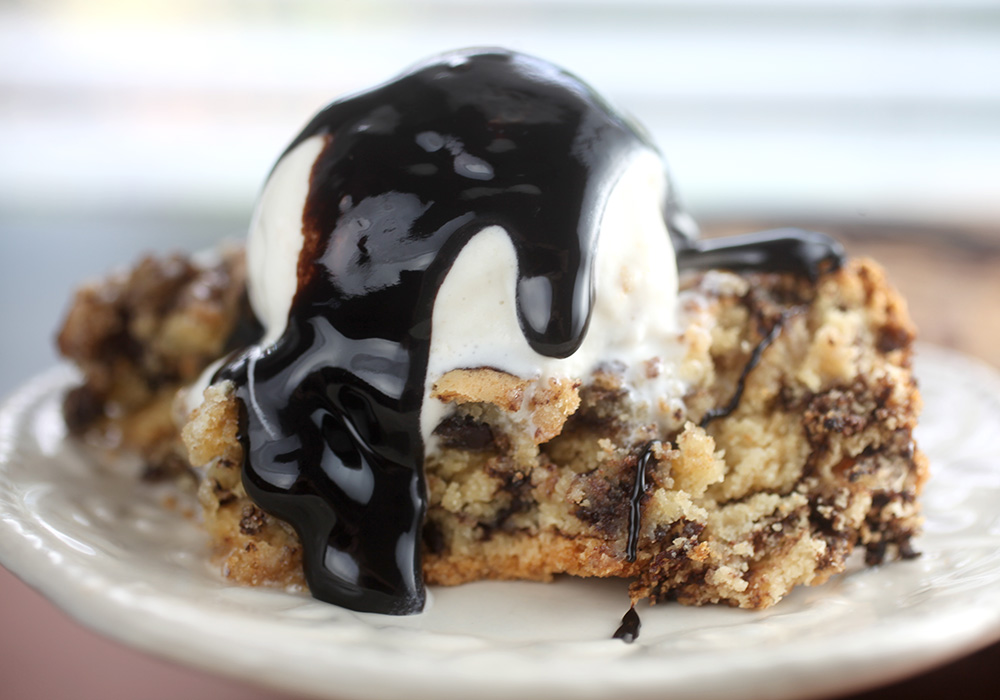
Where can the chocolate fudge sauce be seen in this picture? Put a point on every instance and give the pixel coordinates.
(741, 383)
(410, 171)
(635, 502)
(806, 253)
(628, 631)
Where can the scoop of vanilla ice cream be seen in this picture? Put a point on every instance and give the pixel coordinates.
(634, 313)
(475, 323)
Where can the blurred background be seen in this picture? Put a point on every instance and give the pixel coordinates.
(841, 108)
(132, 126)
(129, 126)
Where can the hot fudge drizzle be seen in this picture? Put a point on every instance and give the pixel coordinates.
(635, 502)
(805, 253)
(410, 171)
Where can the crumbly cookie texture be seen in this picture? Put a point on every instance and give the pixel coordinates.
(532, 480)
(142, 334)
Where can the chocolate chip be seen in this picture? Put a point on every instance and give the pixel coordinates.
(465, 433)
(434, 538)
(875, 553)
(253, 520)
(81, 408)
(893, 338)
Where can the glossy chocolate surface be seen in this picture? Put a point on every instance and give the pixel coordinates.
(806, 253)
(635, 502)
(628, 631)
(410, 171)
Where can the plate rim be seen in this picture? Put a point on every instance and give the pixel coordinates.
(17, 551)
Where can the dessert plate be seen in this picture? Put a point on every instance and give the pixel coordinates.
(105, 549)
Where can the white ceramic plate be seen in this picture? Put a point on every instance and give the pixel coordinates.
(104, 549)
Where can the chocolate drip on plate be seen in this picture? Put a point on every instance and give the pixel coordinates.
(628, 631)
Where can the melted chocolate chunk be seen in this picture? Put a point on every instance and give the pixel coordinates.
(409, 172)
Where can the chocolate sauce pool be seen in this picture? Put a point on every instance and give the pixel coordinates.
(410, 171)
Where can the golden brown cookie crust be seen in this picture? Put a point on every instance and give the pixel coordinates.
(532, 480)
